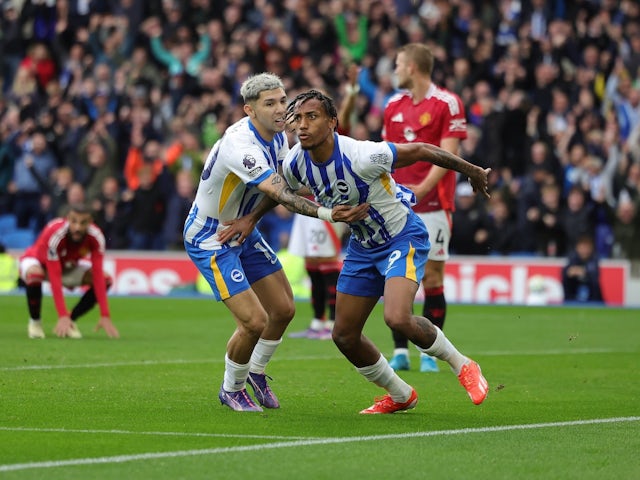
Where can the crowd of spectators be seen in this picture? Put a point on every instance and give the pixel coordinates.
(117, 102)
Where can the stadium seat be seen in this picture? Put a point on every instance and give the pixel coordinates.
(8, 223)
(18, 238)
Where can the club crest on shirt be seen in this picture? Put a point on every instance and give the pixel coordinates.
(425, 119)
(248, 162)
(342, 187)
(409, 134)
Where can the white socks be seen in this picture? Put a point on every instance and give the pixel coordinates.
(317, 324)
(443, 349)
(262, 353)
(235, 375)
(383, 375)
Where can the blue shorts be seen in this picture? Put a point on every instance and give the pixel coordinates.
(366, 270)
(230, 271)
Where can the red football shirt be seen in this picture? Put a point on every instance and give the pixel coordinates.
(56, 252)
(438, 116)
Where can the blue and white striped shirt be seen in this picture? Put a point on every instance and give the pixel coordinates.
(357, 172)
(236, 164)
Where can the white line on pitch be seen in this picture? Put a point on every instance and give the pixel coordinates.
(300, 443)
(132, 432)
(142, 363)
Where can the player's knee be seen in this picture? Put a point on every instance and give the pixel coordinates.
(282, 314)
(396, 320)
(285, 315)
(255, 326)
(34, 278)
(345, 340)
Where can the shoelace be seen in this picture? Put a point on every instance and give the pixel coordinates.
(261, 379)
(466, 377)
(247, 398)
(384, 399)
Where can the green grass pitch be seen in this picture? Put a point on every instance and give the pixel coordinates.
(564, 400)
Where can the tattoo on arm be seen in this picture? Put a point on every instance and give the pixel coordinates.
(287, 197)
(445, 159)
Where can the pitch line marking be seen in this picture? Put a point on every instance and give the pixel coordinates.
(300, 443)
(143, 363)
(133, 432)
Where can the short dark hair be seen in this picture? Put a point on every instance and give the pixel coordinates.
(81, 208)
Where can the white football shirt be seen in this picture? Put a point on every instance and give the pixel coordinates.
(236, 164)
(357, 172)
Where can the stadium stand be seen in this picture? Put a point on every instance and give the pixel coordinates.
(551, 89)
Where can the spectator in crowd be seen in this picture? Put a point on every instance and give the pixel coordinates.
(62, 178)
(581, 274)
(31, 177)
(75, 195)
(110, 214)
(550, 235)
(471, 225)
(146, 210)
(39, 63)
(13, 42)
(97, 153)
(181, 58)
(577, 217)
(142, 153)
(178, 206)
(626, 228)
(68, 253)
(502, 227)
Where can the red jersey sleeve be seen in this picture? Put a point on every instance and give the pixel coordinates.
(54, 271)
(97, 245)
(46, 250)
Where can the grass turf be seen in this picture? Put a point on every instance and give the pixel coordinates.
(145, 406)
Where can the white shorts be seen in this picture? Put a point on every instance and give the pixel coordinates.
(439, 227)
(312, 237)
(71, 277)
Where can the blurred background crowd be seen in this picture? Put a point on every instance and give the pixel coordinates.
(118, 102)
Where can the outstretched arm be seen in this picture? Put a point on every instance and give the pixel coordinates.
(410, 153)
(278, 191)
